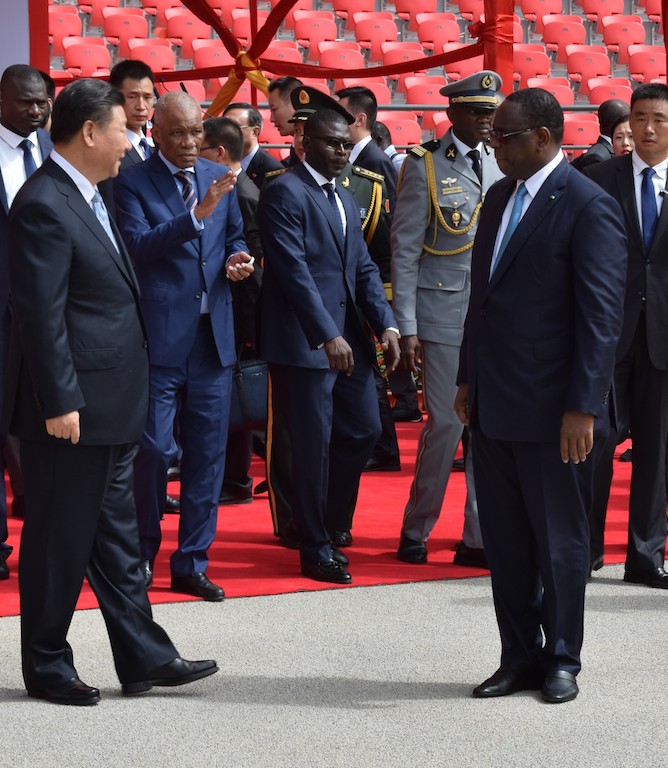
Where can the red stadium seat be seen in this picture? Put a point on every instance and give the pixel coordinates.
(437, 80)
(534, 10)
(402, 131)
(344, 9)
(62, 23)
(463, 68)
(595, 10)
(155, 52)
(60, 73)
(378, 86)
(371, 33)
(600, 93)
(86, 60)
(558, 34)
(241, 24)
(212, 53)
(653, 13)
(584, 62)
(529, 62)
(646, 63)
(408, 10)
(183, 27)
(340, 58)
(121, 25)
(193, 87)
(618, 34)
(433, 32)
(470, 10)
(310, 31)
(580, 132)
(300, 6)
(93, 10)
(562, 93)
(426, 94)
(280, 53)
(539, 82)
(395, 53)
(442, 124)
(157, 8)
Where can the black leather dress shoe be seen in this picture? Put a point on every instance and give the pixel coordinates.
(236, 493)
(4, 569)
(199, 585)
(342, 539)
(596, 564)
(72, 692)
(627, 456)
(382, 465)
(172, 505)
(458, 465)
(146, 568)
(177, 672)
(340, 558)
(327, 570)
(399, 414)
(657, 578)
(559, 686)
(470, 557)
(261, 487)
(506, 681)
(411, 551)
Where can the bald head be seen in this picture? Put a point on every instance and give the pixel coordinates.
(177, 128)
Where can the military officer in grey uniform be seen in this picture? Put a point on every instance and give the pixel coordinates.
(441, 191)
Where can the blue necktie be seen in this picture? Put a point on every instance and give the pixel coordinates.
(515, 216)
(28, 159)
(146, 148)
(331, 196)
(100, 210)
(187, 190)
(648, 204)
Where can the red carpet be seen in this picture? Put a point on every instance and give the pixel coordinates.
(247, 561)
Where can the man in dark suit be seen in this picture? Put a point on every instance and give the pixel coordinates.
(638, 182)
(535, 372)
(281, 111)
(317, 268)
(609, 114)
(135, 81)
(23, 148)
(224, 144)
(78, 400)
(255, 161)
(184, 231)
(362, 105)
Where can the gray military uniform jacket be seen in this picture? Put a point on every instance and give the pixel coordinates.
(432, 245)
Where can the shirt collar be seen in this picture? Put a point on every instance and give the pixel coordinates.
(320, 179)
(639, 166)
(464, 149)
(82, 183)
(535, 182)
(174, 169)
(13, 139)
(357, 149)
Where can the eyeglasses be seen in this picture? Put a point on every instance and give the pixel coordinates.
(202, 148)
(336, 144)
(502, 136)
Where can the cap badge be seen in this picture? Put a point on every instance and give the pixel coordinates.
(304, 98)
(487, 82)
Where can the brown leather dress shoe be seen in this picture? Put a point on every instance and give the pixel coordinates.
(506, 681)
(177, 672)
(199, 585)
(72, 692)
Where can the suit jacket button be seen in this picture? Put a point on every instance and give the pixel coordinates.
(145, 344)
(342, 303)
(198, 295)
(439, 284)
(204, 263)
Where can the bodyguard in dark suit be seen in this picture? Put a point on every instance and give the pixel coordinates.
(317, 268)
(536, 367)
(609, 114)
(183, 229)
(638, 182)
(78, 400)
(255, 161)
(23, 148)
(135, 81)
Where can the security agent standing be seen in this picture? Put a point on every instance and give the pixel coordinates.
(441, 190)
(368, 189)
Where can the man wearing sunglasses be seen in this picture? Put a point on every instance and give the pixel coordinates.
(536, 366)
(317, 270)
(440, 194)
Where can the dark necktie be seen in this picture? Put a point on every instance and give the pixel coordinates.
(146, 148)
(648, 204)
(475, 161)
(28, 159)
(187, 190)
(515, 216)
(331, 196)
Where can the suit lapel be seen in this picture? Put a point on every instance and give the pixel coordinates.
(548, 196)
(322, 202)
(626, 196)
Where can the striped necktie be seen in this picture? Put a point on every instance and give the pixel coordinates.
(188, 189)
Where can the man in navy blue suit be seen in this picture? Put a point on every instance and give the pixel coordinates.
(317, 269)
(24, 104)
(183, 229)
(536, 366)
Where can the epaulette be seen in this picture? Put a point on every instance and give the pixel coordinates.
(274, 174)
(368, 174)
(422, 149)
